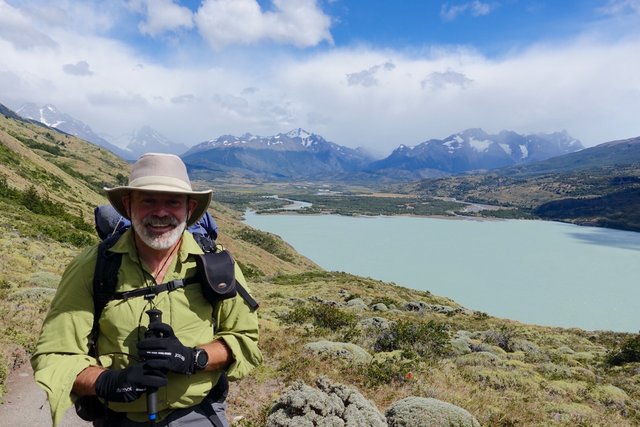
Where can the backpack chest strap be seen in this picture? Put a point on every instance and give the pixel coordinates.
(152, 291)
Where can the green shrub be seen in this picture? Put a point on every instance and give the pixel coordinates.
(266, 241)
(302, 278)
(6, 191)
(4, 374)
(44, 279)
(321, 316)
(503, 338)
(426, 339)
(55, 222)
(250, 271)
(8, 156)
(629, 352)
(386, 372)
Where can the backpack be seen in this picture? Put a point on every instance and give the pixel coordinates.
(215, 267)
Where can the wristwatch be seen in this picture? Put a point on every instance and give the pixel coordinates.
(200, 359)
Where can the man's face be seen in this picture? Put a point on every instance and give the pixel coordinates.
(159, 218)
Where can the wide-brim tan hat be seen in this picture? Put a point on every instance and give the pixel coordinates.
(162, 173)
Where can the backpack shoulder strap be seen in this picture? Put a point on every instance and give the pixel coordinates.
(105, 280)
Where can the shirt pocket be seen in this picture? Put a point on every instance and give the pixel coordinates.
(121, 330)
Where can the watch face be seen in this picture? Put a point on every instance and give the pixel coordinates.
(202, 358)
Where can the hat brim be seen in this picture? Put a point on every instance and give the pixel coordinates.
(203, 199)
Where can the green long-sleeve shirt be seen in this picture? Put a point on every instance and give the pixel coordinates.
(62, 349)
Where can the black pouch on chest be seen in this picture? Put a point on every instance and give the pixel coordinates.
(216, 271)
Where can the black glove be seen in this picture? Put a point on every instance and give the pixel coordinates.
(127, 385)
(161, 344)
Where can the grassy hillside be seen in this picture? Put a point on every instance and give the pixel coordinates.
(504, 372)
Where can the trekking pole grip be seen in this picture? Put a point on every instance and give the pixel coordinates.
(155, 315)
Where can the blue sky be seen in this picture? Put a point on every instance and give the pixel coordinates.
(373, 73)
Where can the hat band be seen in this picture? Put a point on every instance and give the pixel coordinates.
(166, 182)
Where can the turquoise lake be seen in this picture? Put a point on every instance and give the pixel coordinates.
(536, 272)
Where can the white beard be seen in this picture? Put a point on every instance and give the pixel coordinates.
(158, 241)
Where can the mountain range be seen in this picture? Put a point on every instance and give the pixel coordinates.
(302, 155)
(296, 154)
(50, 116)
(474, 150)
(129, 146)
(299, 154)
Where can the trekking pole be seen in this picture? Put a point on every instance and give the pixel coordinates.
(155, 315)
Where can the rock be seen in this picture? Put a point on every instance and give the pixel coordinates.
(443, 309)
(461, 345)
(488, 348)
(302, 406)
(317, 299)
(417, 306)
(379, 307)
(421, 307)
(344, 294)
(358, 411)
(348, 351)
(427, 412)
(375, 323)
(331, 405)
(357, 303)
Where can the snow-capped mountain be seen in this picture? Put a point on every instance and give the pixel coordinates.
(128, 147)
(50, 116)
(295, 154)
(295, 140)
(147, 140)
(474, 149)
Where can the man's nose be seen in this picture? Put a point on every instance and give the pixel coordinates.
(161, 209)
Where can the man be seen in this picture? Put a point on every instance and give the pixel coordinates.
(179, 359)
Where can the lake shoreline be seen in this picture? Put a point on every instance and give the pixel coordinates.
(454, 217)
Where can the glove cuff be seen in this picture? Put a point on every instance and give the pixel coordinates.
(105, 383)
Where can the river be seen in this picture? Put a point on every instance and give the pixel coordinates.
(538, 272)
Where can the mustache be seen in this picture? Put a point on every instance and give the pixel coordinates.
(160, 221)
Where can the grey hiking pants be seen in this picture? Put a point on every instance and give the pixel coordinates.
(206, 414)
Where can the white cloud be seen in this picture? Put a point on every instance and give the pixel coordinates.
(621, 7)
(116, 99)
(163, 16)
(450, 12)
(18, 29)
(298, 22)
(88, 16)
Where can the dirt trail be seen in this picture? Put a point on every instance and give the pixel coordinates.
(25, 404)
